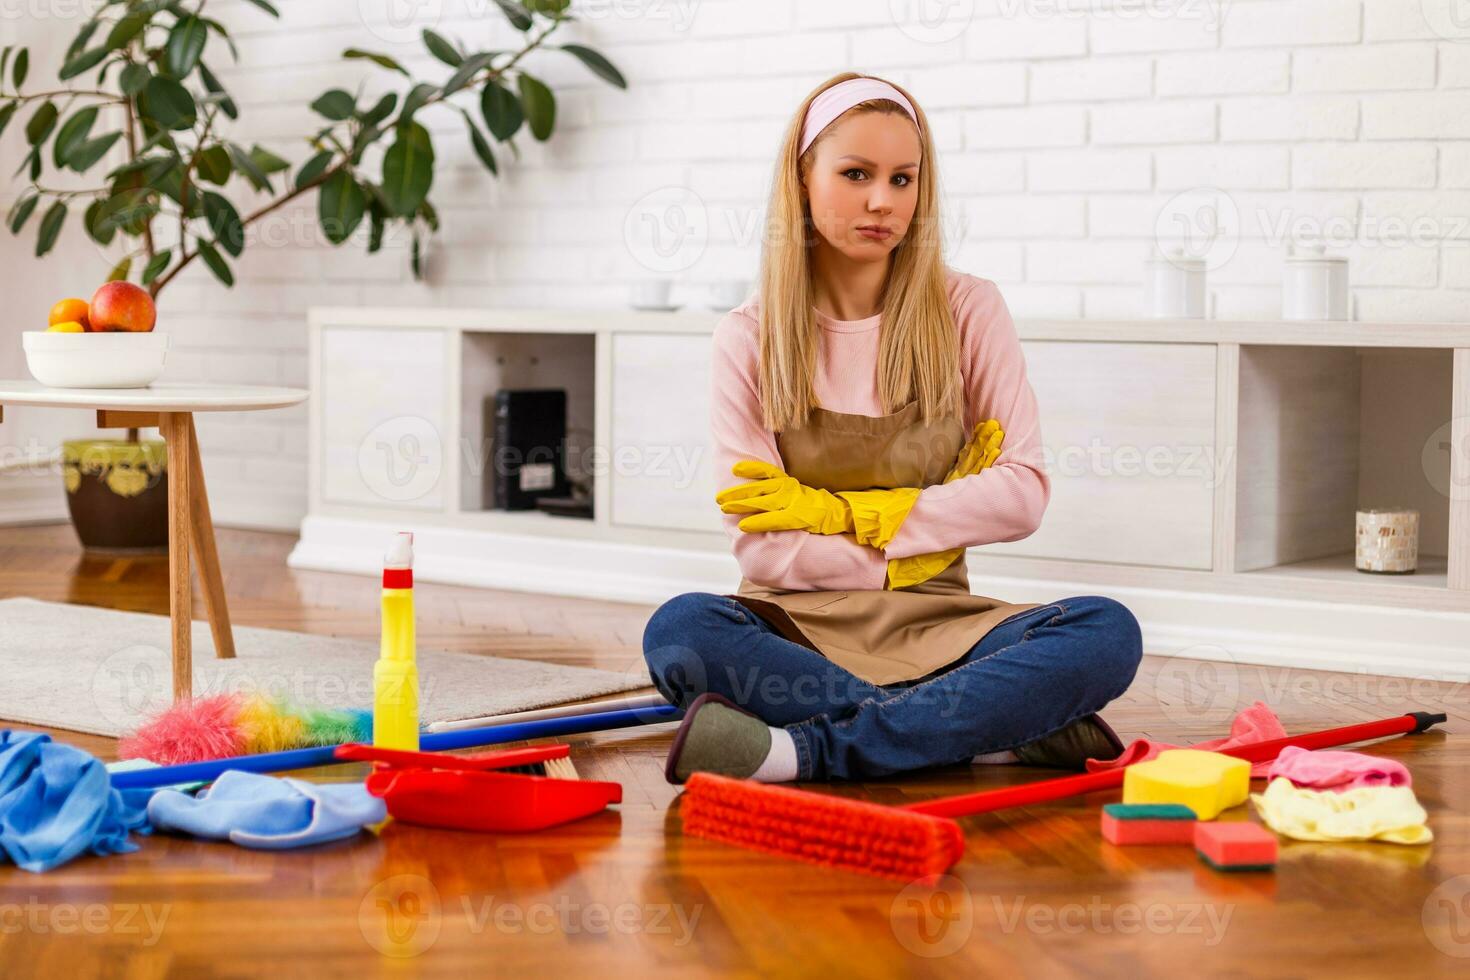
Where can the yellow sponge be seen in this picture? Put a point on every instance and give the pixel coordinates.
(1206, 782)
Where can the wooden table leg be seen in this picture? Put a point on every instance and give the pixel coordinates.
(206, 554)
(177, 430)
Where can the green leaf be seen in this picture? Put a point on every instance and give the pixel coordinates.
(381, 111)
(128, 209)
(133, 78)
(365, 137)
(313, 168)
(51, 223)
(81, 63)
(540, 105)
(84, 155)
(125, 30)
(212, 85)
(18, 71)
(247, 166)
(377, 220)
(266, 7)
(20, 211)
(167, 103)
(224, 221)
(6, 112)
(41, 123)
(599, 65)
(442, 49)
(80, 40)
(518, 16)
(471, 67)
(73, 132)
(121, 270)
(335, 104)
(379, 59)
(408, 169)
(481, 145)
(416, 258)
(156, 265)
(102, 236)
(184, 46)
(266, 160)
(171, 182)
(414, 101)
(215, 261)
(214, 165)
(501, 109)
(4, 60)
(340, 206)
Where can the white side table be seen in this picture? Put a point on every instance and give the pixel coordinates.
(171, 408)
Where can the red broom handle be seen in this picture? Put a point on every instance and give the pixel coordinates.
(1056, 789)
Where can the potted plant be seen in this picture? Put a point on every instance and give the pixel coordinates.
(175, 196)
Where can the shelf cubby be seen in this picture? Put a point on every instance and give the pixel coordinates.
(1326, 431)
(490, 361)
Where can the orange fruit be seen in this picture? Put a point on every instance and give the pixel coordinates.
(70, 310)
(66, 326)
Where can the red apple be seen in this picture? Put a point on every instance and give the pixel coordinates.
(122, 306)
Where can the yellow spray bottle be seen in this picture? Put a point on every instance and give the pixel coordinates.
(396, 676)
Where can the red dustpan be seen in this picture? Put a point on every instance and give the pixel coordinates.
(465, 793)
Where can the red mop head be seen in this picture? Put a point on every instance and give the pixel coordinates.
(840, 833)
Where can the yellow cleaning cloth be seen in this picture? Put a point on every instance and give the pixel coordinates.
(1386, 813)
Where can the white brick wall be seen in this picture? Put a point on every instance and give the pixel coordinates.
(1064, 131)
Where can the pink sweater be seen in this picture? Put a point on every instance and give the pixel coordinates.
(1001, 503)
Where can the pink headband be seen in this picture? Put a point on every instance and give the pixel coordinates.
(834, 101)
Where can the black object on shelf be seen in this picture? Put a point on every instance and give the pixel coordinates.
(528, 428)
(565, 506)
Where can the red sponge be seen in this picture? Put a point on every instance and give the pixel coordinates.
(1235, 846)
(1148, 823)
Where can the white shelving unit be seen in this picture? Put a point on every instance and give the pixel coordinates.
(1204, 472)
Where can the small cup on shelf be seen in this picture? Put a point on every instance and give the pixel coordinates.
(651, 294)
(1388, 541)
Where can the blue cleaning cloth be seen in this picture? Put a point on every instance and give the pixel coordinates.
(57, 802)
(255, 810)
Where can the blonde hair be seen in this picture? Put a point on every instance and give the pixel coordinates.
(918, 350)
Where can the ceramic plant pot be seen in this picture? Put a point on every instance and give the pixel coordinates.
(117, 492)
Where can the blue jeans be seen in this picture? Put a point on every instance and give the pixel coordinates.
(1031, 675)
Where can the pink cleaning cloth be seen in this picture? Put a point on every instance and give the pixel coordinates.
(1337, 771)
(1257, 723)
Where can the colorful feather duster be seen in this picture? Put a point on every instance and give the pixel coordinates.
(226, 725)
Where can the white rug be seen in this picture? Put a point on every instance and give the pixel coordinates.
(105, 672)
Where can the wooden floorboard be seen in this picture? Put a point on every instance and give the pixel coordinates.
(625, 893)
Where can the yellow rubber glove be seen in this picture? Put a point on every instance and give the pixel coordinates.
(980, 452)
(777, 501)
(878, 514)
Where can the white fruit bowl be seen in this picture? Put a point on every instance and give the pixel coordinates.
(116, 359)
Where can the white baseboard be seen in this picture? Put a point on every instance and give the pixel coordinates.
(1196, 625)
(32, 498)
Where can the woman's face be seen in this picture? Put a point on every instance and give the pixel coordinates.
(863, 183)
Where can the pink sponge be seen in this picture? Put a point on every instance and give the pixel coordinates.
(1235, 846)
(1147, 823)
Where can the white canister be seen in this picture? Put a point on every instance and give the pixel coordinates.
(1175, 286)
(1388, 541)
(1314, 285)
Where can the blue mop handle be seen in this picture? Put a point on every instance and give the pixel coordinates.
(323, 755)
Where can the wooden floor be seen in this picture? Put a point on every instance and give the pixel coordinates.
(624, 893)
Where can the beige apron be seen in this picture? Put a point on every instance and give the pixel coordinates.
(881, 635)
